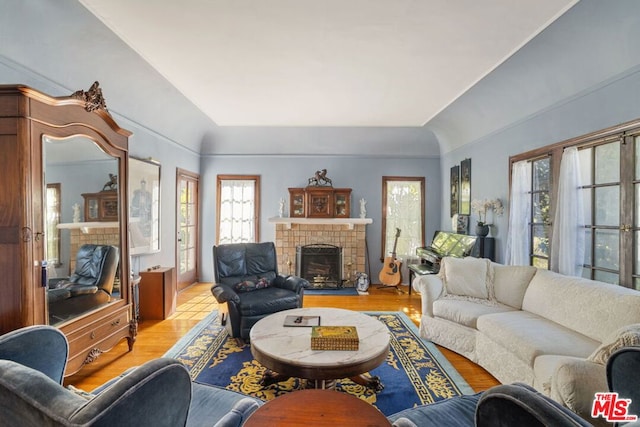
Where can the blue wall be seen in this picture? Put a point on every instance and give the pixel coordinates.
(608, 104)
(278, 173)
(587, 61)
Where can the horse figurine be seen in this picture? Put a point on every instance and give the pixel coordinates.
(320, 178)
(112, 184)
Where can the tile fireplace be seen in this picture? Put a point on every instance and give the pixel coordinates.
(349, 234)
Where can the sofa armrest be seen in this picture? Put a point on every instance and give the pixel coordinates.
(56, 282)
(31, 398)
(430, 287)
(292, 283)
(575, 382)
(224, 293)
(159, 390)
(26, 347)
(239, 413)
(82, 290)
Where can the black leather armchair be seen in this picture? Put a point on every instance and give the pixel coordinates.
(623, 377)
(240, 271)
(90, 285)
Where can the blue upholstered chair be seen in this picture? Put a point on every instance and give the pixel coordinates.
(158, 393)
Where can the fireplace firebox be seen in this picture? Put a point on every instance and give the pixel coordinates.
(320, 264)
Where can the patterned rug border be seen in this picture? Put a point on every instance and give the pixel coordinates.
(193, 332)
(445, 365)
(427, 376)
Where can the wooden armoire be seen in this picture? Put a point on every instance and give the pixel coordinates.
(35, 131)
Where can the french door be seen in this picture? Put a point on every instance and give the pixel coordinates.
(188, 227)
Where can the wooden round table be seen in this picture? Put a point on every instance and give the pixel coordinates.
(286, 351)
(316, 408)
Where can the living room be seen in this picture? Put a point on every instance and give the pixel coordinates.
(577, 75)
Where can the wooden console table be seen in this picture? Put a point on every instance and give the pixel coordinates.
(316, 407)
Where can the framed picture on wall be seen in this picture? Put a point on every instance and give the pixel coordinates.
(144, 206)
(454, 183)
(465, 187)
(462, 224)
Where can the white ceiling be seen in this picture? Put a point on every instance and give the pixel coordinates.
(328, 62)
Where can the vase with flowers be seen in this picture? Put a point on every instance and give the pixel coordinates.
(482, 207)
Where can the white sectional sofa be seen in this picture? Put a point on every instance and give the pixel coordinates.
(524, 324)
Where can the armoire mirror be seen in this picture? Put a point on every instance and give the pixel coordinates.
(80, 209)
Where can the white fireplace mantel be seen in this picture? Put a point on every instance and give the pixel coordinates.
(349, 222)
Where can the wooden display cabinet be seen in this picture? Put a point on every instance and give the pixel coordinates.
(342, 203)
(319, 202)
(296, 203)
(158, 293)
(102, 206)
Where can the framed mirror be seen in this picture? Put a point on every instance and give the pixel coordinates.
(81, 206)
(144, 206)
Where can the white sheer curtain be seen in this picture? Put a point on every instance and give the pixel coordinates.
(518, 238)
(567, 243)
(404, 211)
(237, 211)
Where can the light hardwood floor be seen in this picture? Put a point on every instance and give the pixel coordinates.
(194, 303)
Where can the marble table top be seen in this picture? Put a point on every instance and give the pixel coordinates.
(289, 348)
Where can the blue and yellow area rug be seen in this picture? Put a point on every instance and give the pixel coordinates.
(414, 373)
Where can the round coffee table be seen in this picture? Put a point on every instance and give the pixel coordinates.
(316, 408)
(286, 351)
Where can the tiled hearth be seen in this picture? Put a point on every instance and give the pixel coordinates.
(349, 234)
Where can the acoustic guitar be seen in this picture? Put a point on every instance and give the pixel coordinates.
(390, 274)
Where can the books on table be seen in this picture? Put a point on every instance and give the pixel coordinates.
(302, 320)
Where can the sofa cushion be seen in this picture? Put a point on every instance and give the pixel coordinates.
(268, 300)
(594, 309)
(248, 285)
(510, 282)
(465, 311)
(624, 337)
(527, 336)
(466, 276)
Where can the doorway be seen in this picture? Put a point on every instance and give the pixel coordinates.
(188, 227)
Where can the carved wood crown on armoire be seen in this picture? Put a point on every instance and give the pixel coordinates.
(72, 143)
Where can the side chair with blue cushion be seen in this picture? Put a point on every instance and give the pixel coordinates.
(156, 394)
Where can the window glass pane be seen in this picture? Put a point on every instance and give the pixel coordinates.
(608, 163)
(404, 211)
(588, 236)
(540, 240)
(541, 207)
(607, 249)
(541, 263)
(585, 166)
(636, 283)
(541, 177)
(605, 276)
(636, 207)
(637, 168)
(586, 203)
(237, 211)
(636, 267)
(607, 200)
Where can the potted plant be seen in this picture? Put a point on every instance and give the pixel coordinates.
(482, 207)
